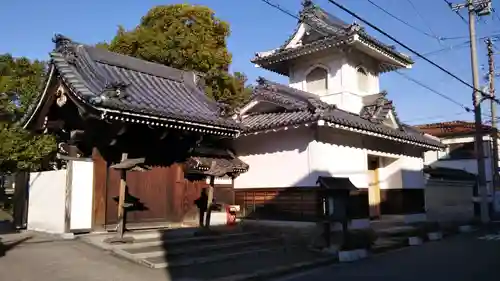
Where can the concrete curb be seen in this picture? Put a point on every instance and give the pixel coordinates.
(280, 271)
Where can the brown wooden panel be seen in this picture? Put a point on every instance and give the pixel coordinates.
(163, 193)
(99, 195)
(299, 204)
(113, 185)
(150, 188)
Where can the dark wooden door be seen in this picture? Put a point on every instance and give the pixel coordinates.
(159, 195)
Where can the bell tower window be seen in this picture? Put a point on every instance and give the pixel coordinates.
(317, 81)
(363, 80)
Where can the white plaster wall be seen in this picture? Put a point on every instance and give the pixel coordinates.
(339, 161)
(294, 158)
(278, 159)
(46, 205)
(82, 180)
(412, 172)
(343, 88)
(339, 153)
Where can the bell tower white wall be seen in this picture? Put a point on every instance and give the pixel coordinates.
(344, 82)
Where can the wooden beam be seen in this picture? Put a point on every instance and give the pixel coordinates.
(121, 200)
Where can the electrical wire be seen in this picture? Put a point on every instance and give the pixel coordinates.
(405, 22)
(442, 116)
(462, 81)
(446, 97)
(448, 48)
(456, 12)
(464, 107)
(467, 109)
(422, 19)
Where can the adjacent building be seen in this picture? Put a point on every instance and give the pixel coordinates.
(331, 120)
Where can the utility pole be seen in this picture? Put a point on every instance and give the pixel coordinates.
(494, 133)
(480, 8)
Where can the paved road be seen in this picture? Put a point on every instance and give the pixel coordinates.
(458, 258)
(69, 261)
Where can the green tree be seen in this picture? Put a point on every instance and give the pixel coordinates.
(20, 82)
(188, 37)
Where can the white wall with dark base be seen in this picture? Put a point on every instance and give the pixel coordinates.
(53, 194)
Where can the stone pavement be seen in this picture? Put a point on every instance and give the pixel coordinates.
(464, 257)
(43, 259)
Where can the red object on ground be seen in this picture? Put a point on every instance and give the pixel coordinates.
(230, 215)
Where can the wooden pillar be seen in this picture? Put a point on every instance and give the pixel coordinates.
(20, 199)
(100, 187)
(121, 199)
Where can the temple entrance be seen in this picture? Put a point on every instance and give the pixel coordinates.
(374, 186)
(159, 195)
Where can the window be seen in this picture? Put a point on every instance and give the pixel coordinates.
(317, 81)
(363, 80)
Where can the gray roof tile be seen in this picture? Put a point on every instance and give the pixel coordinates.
(214, 161)
(147, 88)
(333, 31)
(302, 107)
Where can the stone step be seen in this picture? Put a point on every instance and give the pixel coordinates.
(246, 253)
(218, 246)
(395, 231)
(159, 241)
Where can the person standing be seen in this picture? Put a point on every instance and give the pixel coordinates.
(202, 205)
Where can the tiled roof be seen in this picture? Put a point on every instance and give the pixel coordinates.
(303, 107)
(109, 80)
(334, 32)
(452, 128)
(215, 162)
(377, 107)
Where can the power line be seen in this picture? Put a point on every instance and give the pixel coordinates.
(422, 18)
(404, 22)
(446, 97)
(448, 48)
(495, 14)
(434, 117)
(456, 12)
(409, 48)
(460, 45)
(467, 109)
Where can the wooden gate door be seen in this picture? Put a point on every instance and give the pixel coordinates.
(161, 194)
(148, 191)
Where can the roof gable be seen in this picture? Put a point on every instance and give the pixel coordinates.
(380, 110)
(318, 30)
(128, 86)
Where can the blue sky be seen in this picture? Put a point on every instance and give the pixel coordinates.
(256, 27)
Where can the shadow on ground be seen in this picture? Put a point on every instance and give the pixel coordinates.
(215, 253)
(7, 244)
